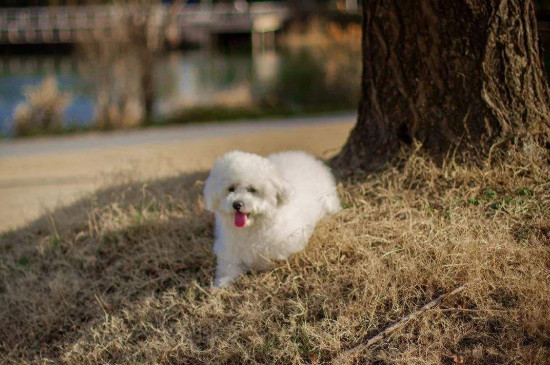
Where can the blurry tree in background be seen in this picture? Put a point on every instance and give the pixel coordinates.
(334, 51)
(120, 65)
(454, 75)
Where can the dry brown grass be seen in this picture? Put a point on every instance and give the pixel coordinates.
(123, 277)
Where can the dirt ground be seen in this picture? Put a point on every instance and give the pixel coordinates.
(41, 174)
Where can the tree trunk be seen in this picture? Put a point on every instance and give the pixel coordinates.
(461, 74)
(148, 86)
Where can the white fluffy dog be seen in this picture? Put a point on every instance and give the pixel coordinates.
(266, 208)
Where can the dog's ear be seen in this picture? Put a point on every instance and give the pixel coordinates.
(211, 193)
(283, 190)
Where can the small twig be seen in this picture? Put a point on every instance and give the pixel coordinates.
(399, 324)
(202, 290)
(102, 305)
(474, 310)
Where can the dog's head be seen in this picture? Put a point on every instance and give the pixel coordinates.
(244, 188)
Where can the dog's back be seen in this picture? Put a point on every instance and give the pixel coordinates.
(314, 187)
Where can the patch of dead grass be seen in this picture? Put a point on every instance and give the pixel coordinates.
(123, 277)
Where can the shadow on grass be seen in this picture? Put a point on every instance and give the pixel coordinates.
(83, 262)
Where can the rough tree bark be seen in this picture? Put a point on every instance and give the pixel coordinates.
(461, 73)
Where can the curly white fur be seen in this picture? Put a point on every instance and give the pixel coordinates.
(279, 199)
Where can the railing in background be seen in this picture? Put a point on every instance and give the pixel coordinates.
(71, 24)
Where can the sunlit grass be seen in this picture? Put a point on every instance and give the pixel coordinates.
(124, 276)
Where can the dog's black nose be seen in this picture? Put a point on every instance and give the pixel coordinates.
(238, 205)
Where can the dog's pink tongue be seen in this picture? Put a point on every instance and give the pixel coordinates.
(240, 219)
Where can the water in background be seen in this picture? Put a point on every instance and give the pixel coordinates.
(293, 81)
(184, 79)
(19, 72)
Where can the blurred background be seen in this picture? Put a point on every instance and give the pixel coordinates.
(68, 65)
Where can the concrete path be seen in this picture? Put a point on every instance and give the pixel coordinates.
(39, 174)
(98, 140)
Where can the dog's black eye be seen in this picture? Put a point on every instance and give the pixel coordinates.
(251, 189)
(231, 189)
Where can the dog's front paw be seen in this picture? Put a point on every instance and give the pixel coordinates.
(223, 281)
(226, 273)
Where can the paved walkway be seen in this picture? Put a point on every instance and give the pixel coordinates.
(40, 174)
